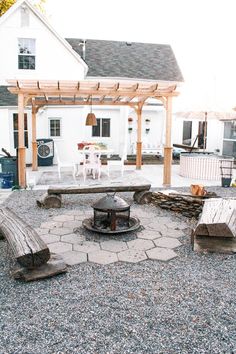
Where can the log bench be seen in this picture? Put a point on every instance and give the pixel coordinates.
(29, 250)
(216, 229)
(53, 199)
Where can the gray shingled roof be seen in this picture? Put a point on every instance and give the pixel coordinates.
(7, 98)
(129, 60)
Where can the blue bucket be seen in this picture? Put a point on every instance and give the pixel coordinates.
(6, 180)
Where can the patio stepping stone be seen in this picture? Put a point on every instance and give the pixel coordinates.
(87, 246)
(132, 256)
(148, 234)
(72, 238)
(102, 257)
(72, 224)
(167, 242)
(114, 246)
(51, 224)
(61, 231)
(59, 247)
(172, 233)
(42, 231)
(73, 257)
(161, 254)
(50, 238)
(140, 244)
(63, 218)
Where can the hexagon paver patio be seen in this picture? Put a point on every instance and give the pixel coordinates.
(114, 246)
(102, 257)
(59, 247)
(87, 246)
(73, 257)
(161, 254)
(140, 244)
(132, 256)
(155, 241)
(167, 242)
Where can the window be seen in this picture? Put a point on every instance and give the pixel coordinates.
(102, 128)
(55, 127)
(15, 129)
(26, 53)
(187, 132)
(229, 142)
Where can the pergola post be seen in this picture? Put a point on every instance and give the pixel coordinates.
(168, 146)
(138, 110)
(34, 142)
(21, 142)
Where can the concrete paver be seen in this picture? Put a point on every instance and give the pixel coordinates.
(60, 247)
(72, 238)
(61, 231)
(172, 233)
(140, 244)
(114, 246)
(102, 257)
(161, 254)
(87, 246)
(73, 257)
(132, 256)
(50, 238)
(63, 218)
(167, 242)
(51, 224)
(148, 234)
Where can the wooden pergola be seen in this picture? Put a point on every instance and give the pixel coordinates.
(38, 94)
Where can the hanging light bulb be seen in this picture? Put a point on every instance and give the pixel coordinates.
(91, 118)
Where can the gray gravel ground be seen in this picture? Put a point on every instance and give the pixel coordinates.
(186, 305)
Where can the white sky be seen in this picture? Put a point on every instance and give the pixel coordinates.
(201, 33)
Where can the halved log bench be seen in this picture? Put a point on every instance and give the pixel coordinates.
(28, 248)
(52, 199)
(216, 229)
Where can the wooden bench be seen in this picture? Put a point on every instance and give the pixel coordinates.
(52, 199)
(216, 229)
(31, 253)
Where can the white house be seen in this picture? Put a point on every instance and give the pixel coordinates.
(31, 49)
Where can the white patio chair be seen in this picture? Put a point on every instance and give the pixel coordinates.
(64, 163)
(91, 161)
(117, 163)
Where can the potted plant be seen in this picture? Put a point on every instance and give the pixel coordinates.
(130, 130)
(147, 120)
(147, 130)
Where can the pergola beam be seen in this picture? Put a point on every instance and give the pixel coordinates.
(104, 93)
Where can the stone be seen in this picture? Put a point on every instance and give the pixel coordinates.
(73, 257)
(140, 244)
(87, 246)
(72, 224)
(63, 218)
(102, 257)
(148, 234)
(59, 247)
(51, 224)
(41, 231)
(61, 231)
(167, 242)
(172, 233)
(50, 238)
(161, 254)
(114, 246)
(72, 238)
(132, 256)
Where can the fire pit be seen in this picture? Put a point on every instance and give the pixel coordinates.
(111, 216)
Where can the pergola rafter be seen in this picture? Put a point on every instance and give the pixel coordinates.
(98, 93)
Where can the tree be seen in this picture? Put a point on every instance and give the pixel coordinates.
(6, 4)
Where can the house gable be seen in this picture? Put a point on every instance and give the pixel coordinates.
(55, 59)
